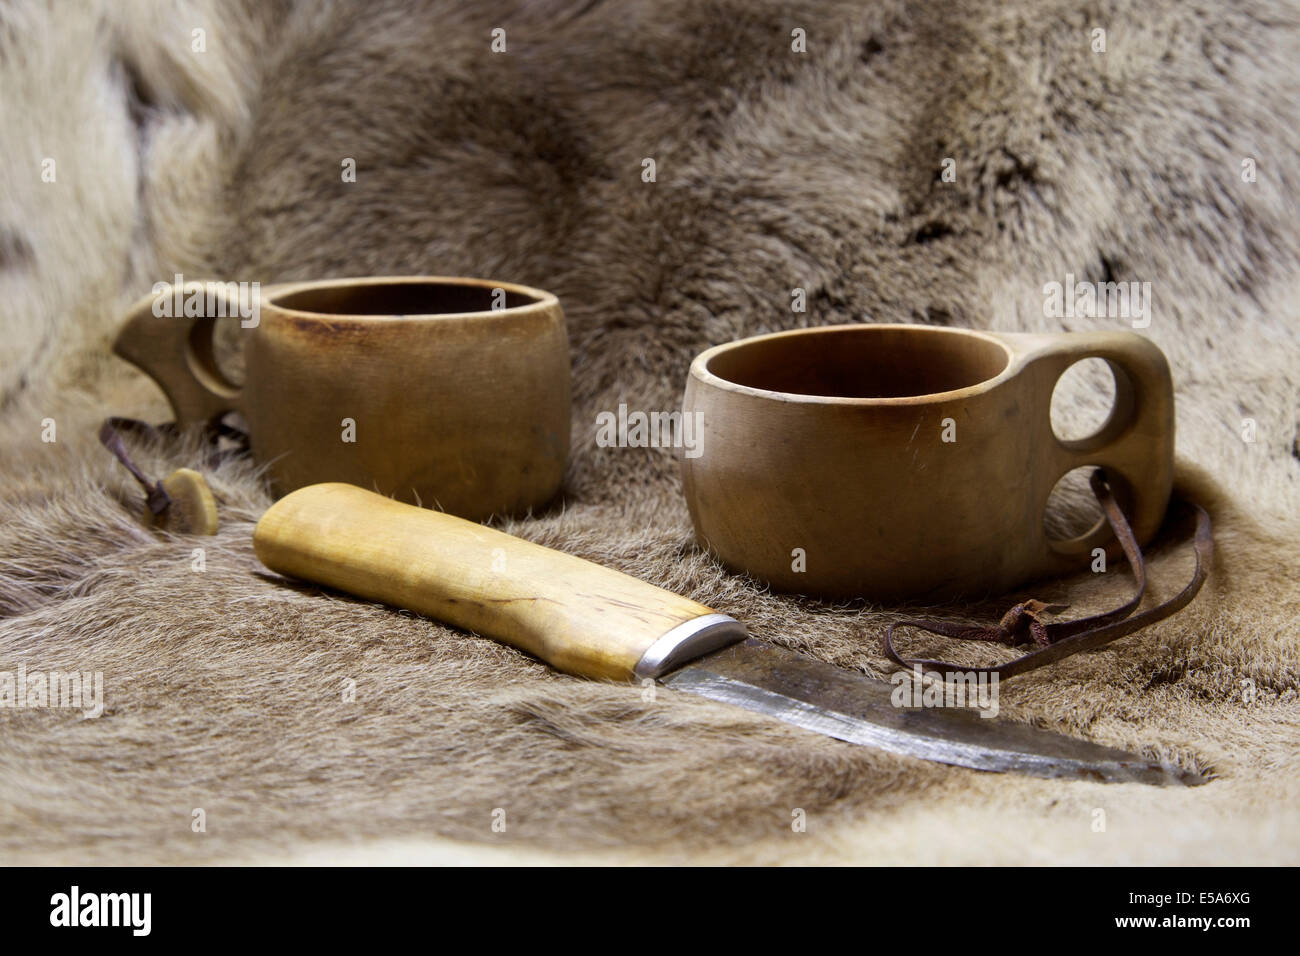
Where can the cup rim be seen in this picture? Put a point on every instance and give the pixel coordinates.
(700, 367)
(541, 299)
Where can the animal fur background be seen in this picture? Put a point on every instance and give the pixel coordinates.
(775, 170)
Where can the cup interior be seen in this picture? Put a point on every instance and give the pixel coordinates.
(863, 361)
(412, 298)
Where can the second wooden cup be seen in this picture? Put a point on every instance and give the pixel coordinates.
(447, 392)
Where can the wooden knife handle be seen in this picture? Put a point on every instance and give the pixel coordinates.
(577, 616)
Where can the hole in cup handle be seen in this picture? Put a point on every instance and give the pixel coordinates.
(1136, 444)
(177, 351)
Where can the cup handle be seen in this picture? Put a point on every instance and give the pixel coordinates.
(1135, 444)
(177, 352)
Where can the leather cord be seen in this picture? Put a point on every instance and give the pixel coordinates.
(110, 436)
(1024, 623)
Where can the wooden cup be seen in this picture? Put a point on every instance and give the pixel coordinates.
(448, 392)
(825, 470)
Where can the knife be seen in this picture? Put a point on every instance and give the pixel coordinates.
(595, 622)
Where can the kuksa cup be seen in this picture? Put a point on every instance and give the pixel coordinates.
(452, 393)
(895, 462)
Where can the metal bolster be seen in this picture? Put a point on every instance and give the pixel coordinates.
(689, 640)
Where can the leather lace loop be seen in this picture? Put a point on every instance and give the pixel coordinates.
(1025, 624)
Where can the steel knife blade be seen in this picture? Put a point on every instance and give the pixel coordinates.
(853, 707)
